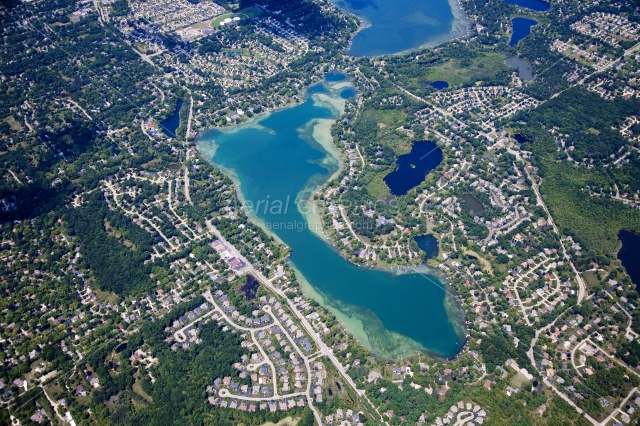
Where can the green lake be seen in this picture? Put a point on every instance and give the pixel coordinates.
(282, 157)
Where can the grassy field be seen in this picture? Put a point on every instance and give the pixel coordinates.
(287, 421)
(13, 123)
(378, 188)
(485, 66)
(457, 75)
(486, 265)
(137, 388)
(249, 12)
(105, 297)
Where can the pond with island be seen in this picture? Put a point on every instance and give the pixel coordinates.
(525, 71)
(412, 168)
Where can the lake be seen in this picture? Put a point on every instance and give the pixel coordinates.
(286, 156)
(428, 244)
(170, 125)
(521, 29)
(629, 255)
(472, 204)
(394, 26)
(412, 168)
(537, 5)
(525, 71)
(439, 85)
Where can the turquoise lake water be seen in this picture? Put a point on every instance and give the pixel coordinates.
(394, 26)
(279, 157)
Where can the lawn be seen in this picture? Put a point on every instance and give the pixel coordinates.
(13, 123)
(377, 188)
(249, 12)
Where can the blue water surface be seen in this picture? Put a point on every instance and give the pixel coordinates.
(412, 168)
(439, 84)
(398, 25)
(428, 244)
(537, 5)
(170, 125)
(347, 93)
(629, 254)
(521, 29)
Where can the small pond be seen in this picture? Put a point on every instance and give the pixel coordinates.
(521, 29)
(537, 5)
(629, 254)
(121, 348)
(519, 138)
(439, 84)
(472, 204)
(525, 72)
(429, 244)
(412, 168)
(170, 125)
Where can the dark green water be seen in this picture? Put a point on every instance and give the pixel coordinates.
(472, 204)
(428, 244)
(278, 159)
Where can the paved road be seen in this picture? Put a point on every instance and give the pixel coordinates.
(187, 195)
(139, 216)
(581, 284)
(209, 297)
(190, 115)
(303, 321)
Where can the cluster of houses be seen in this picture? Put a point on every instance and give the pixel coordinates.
(341, 417)
(610, 28)
(469, 413)
(171, 15)
(568, 48)
(240, 68)
(481, 98)
(290, 39)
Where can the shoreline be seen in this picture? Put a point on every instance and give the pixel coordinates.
(460, 27)
(358, 321)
